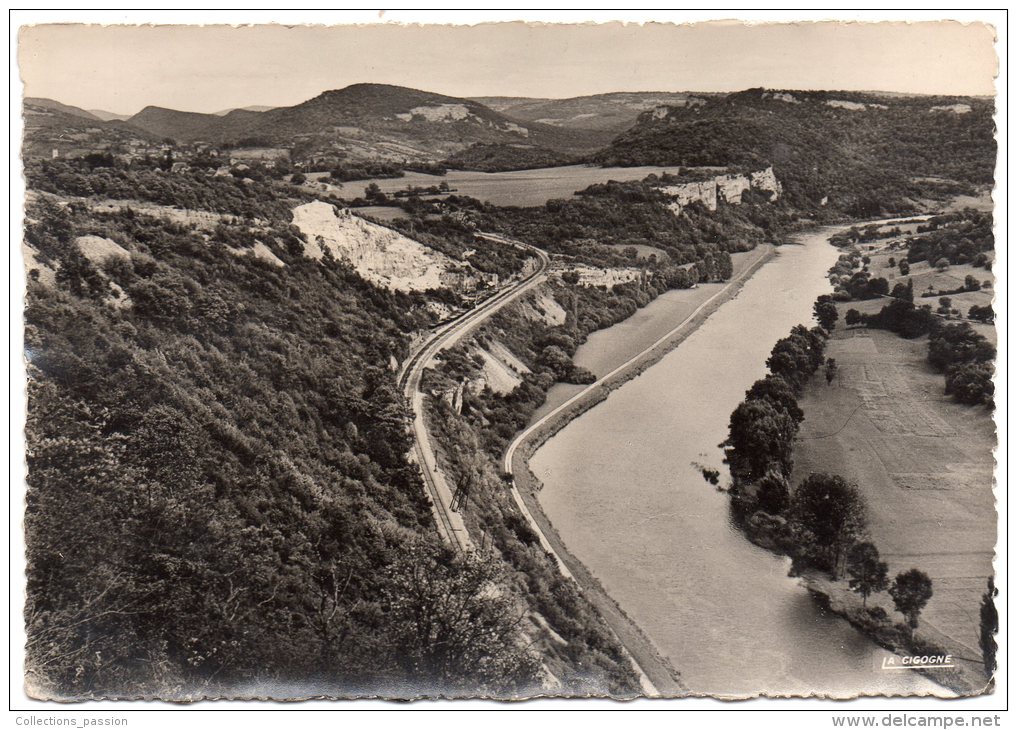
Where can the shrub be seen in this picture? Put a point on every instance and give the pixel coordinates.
(971, 383)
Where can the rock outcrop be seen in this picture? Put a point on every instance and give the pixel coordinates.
(722, 188)
(955, 108)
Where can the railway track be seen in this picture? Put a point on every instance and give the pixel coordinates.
(449, 523)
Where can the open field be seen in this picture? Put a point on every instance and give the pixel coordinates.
(522, 188)
(385, 213)
(981, 201)
(643, 251)
(923, 463)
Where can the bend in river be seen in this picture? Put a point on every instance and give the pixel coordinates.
(621, 488)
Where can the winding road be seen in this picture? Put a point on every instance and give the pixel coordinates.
(450, 523)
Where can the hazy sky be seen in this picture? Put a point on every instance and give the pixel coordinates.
(210, 68)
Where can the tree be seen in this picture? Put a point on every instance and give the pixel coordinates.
(982, 314)
(373, 194)
(989, 627)
(942, 264)
(797, 356)
(761, 437)
(904, 292)
(831, 370)
(904, 267)
(774, 494)
(825, 312)
(971, 383)
(298, 178)
(971, 283)
(854, 317)
(829, 513)
(557, 360)
(867, 571)
(777, 390)
(877, 288)
(910, 591)
(957, 343)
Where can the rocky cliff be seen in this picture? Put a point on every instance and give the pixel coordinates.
(380, 255)
(722, 188)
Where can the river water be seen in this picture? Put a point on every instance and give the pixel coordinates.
(623, 491)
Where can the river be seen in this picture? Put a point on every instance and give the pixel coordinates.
(623, 491)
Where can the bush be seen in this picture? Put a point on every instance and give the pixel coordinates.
(954, 344)
(982, 314)
(971, 383)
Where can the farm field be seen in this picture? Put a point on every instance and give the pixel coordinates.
(523, 188)
(923, 463)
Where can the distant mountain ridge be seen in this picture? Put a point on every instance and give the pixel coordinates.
(254, 108)
(615, 111)
(368, 120)
(824, 141)
(108, 116)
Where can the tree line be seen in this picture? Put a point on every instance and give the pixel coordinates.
(821, 523)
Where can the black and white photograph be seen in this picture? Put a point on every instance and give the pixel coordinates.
(509, 360)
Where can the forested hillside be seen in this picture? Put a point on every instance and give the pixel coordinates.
(219, 495)
(862, 154)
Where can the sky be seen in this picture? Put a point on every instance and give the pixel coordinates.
(211, 68)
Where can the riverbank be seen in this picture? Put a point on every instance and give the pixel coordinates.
(637, 359)
(965, 677)
(526, 485)
(623, 489)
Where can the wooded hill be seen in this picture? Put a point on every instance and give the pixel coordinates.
(860, 153)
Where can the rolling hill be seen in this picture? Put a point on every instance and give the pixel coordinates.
(50, 125)
(56, 106)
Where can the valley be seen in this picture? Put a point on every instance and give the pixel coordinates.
(388, 353)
